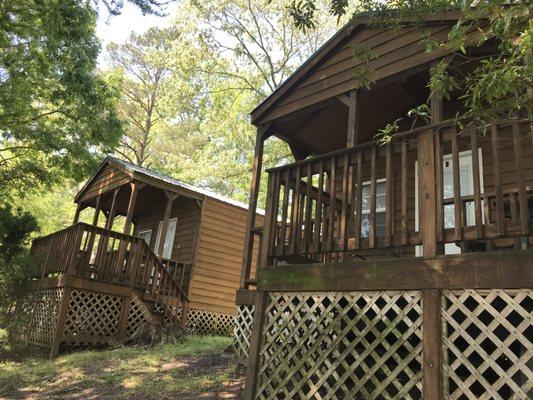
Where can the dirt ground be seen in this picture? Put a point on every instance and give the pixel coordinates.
(198, 368)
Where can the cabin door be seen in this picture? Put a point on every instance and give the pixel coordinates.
(467, 189)
(169, 238)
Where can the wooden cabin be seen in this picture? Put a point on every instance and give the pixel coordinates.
(165, 253)
(389, 271)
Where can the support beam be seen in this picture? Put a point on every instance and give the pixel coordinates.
(113, 210)
(352, 138)
(77, 214)
(97, 209)
(166, 219)
(344, 99)
(432, 377)
(427, 193)
(131, 207)
(263, 132)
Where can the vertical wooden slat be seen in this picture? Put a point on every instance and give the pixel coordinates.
(295, 223)
(308, 209)
(359, 198)
(373, 192)
(60, 322)
(318, 210)
(432, 379)
(498, 189)
(332, 202)
(284, 210)
(345, 199)
(389, 184)
(477, 184)
(404, 192)
(439, 193)
(519, 167)
(275, 213)
(457, 202)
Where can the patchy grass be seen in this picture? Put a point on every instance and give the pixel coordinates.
(197, 368)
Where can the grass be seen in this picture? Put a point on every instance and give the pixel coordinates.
(196, 368)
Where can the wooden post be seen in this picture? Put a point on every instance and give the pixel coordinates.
(262, 133)
(123, 324)
(254, 357)
(131, 207)
(184, 313)
(168, 209)
(77, 214)
(426, 193)
(113, 210)
(352, 139)
(97, 209)
(432, 380)
(60, 324)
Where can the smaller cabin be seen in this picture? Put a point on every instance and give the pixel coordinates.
(157, 250)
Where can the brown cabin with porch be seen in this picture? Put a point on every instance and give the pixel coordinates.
(164, 252)
(399, 270)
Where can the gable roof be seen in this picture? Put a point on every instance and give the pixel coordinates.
(149, 176)
(347, 31)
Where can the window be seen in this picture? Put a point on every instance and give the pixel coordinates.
(169, 238)
(381, 208)
(146, 235)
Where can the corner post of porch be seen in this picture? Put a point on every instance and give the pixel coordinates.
(77, 214)
(262, 134)
(113, 210)
(60, 322)
(131, 207)
(166, 220)
(97, 209)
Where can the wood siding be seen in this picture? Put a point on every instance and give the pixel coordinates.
(109, 178)
(391, 52)
(217, 268)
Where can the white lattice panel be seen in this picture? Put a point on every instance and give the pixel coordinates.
(138, 318)
(243, 331)
(342, 345)
(488, 344)
(92, 317)
(38, 312)
(210, 323)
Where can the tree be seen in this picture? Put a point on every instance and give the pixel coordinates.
(56, 113)
(155, 7)
(498, 86)
(159, 90)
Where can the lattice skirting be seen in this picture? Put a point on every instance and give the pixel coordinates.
(92, 318)
(341, 345)
(243, 331)
(210, 323)
(139, 317)
(38, 313)
(488, 344)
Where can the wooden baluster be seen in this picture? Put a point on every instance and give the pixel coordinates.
(309, 209)
(345, 201)
(295, 230)
(284, 210)
(457, 202)
(332, 204)
(359, 197)
(389, 182)
(498, 188)
(477, 185)
(404, 193)
(439, 192)
(275, 214)
(515, 217)
(373, 193)
(519, 167)
(318, 210)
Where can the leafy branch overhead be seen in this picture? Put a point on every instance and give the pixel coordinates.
(496, 87)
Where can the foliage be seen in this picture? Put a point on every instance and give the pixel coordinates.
(16, 228)
(189, 368)
(155, 7)
(497, 86)
(56, 114)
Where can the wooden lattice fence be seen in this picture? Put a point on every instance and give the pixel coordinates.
(210, 323)
(138, 318)
(487, 344)
(243, 331)
(338, 345)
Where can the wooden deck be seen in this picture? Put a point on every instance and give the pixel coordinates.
(97, 286)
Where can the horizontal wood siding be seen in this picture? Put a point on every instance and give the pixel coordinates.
(108, 179)
(217, 269)
(391, 52)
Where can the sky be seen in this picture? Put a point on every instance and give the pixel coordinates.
(118, 28)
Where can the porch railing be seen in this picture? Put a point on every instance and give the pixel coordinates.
(468, 188)
(96, 253)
